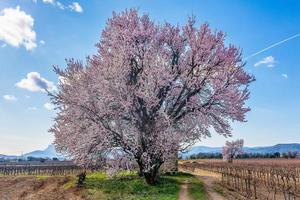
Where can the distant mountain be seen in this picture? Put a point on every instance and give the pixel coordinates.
(281, 148)
(203, 149)
(49, 152)
(2, 156)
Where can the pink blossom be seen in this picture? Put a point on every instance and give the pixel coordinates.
(150, 91)
(232, 149)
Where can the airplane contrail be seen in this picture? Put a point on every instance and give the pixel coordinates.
(273, 45)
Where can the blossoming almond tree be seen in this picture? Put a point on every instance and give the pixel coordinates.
(232, 149)
(150, 91)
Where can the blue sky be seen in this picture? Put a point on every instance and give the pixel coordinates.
(37, 34)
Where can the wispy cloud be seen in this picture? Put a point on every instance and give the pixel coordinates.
(42, 42)
(273, 45)
(49, 106)
(52, 2)
(9, 97)
(49, 1)
(16, 28)
(285, 76)
(269, 61)
(60, 5)
(34, 82)
(75, 6)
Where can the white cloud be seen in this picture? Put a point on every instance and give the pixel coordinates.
(46, 1)
(285, 76)
(9, 97)
(35, 83)
(42, 42)
(55, 3)
(60, 5)
(269, 61)
(52, 2)
(75, 6)
(16, 28)
(49, 106)
(49, 1)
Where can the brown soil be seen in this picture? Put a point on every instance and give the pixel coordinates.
(31, 188)
(209, 183)
(183, 194)
(209, 179)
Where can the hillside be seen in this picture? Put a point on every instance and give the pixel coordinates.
(2, 156)
(49, 152)
(281, 148)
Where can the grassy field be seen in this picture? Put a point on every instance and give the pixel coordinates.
(98, 186)
(130, 186)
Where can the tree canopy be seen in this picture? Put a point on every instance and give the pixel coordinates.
(232, 149)
(150, 91)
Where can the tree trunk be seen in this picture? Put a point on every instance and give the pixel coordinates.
(81, 177)
(230, 159)
(152, 175)
(140, 173)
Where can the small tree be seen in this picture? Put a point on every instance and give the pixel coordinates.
(290, 154)
(232, 149)
(150, 91)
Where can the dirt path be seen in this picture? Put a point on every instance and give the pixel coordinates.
(183, 194)
(209, 186)
(209, 179)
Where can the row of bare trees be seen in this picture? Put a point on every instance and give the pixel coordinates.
(256, 180)
(39, 170)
